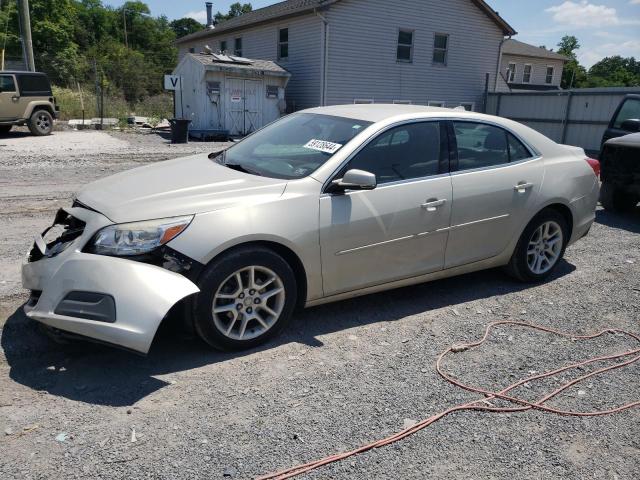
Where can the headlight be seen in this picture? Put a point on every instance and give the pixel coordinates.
(136, 238)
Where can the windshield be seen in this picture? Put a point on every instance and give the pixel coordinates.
(292, 147)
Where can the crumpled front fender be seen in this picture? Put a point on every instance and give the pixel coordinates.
(143, 295)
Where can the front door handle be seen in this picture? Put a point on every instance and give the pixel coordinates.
(522, 187)
(432, 204)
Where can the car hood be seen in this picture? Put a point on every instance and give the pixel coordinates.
(183, 186)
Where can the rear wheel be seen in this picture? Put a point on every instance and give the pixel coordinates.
(246, 297)
(540, 247)
(41, 123)
(615, 199)
(5, 128)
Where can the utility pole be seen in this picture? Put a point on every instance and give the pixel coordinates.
(25, 34)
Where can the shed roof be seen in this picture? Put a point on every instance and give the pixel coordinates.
(515, 47)
(218, 62)
(289, 8)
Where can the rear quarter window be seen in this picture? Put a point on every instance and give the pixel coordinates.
(34, 85)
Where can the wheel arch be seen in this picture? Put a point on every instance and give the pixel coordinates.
(38, 105)
(563, 210)
(291, 257)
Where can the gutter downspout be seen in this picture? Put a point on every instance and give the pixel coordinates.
(504, 39)
(324, 52)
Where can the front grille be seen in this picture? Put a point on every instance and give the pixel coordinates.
(59, 236)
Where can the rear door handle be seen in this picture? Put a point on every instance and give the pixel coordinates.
(432, 204)
(522, 187)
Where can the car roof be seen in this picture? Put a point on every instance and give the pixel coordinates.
(378, 112)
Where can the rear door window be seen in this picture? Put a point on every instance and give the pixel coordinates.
(7, 84)
(480, 145)
(630, 110)
(34, 85)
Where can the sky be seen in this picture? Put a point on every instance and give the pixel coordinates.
(603, 27)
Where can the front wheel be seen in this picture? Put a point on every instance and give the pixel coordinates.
(41, 123)
(246, 297)
(540, 247)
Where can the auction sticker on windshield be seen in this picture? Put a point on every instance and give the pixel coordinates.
(323, 146)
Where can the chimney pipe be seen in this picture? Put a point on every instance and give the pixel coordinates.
(209, 6)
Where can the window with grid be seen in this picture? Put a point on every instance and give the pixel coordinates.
(526, 74)
(549, 77)
(440, 48)
(404, 52)
(237, 50)
(283, 44)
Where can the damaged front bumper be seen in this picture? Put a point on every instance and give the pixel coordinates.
(113, 300)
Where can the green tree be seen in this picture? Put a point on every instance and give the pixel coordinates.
(615, 71)
(185, 26)
(235, 10)
(573, 74)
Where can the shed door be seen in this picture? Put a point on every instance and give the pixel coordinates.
(235, 106)
(251, 106)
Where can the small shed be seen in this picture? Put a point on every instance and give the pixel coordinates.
(227, 94)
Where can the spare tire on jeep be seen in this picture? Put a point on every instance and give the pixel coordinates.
(41, 122)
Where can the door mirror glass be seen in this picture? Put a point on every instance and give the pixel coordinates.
(631, 125)
(354, 179)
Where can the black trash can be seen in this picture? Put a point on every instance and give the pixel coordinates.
(179, 130)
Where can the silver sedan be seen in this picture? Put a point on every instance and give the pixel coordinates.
(321, 205)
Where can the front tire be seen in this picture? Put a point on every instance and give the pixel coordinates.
(616, 199)
(41, 123)
(246, 297)
(540, 247)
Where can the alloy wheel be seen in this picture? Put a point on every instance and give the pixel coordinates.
(545, 247)
(43, 123)
(248, 303)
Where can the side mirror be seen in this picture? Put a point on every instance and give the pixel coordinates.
(354, 180)
(631, 125)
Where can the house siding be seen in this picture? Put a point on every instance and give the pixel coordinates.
(538, 70)
(304, 62)
(362, 42)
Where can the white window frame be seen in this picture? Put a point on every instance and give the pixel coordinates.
(410, 45)
(468, 104)
(402, 102)
(235, 49)
(283, 43)
(435, 103)
(546, 74)
(362, 101)
(524, 72)
(446, 49)
(511, 74)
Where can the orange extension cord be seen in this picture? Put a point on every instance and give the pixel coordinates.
(630, 356)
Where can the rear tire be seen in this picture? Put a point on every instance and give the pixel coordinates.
(616, 199)
(41, 123)
(246, 297)
(4, 129)
(540, 247)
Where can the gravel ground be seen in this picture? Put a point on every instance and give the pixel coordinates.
(342, 375)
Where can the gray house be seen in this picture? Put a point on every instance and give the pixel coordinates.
(428, 52)
(527, 67)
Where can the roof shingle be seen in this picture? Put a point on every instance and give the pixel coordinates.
(514, 47)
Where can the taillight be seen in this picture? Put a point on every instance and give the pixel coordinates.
(595, 164)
